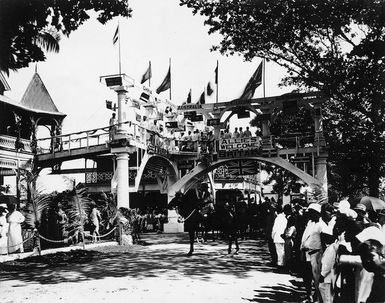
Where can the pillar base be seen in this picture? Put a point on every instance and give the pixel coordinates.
(173, 228)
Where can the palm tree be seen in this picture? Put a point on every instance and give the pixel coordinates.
(37, 202)
(46, 39)
(78, 208)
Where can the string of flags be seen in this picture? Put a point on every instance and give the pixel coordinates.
(248, 92)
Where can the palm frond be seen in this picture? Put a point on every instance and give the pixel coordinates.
(35, 207)
(37, 202)
(78, 207)
(49, 40)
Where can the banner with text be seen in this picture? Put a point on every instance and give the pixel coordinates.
(241, 147)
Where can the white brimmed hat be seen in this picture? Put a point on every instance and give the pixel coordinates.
(315, 206)
(371, 233)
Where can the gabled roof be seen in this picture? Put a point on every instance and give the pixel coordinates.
(37, 98)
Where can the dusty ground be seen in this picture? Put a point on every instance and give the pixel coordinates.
(157, 272)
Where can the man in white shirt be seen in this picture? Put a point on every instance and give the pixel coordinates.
(312, 246)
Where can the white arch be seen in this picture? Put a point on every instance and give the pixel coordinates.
(189, 179)
(143, 164)
(247, 106)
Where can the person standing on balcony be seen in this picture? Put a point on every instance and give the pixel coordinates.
(113, 126)
(247, 132)
(236, 133)
(241, 134)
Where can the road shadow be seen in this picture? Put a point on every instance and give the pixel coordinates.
(158, 258)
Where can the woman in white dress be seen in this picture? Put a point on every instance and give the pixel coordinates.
(15, 239)
(3, 230)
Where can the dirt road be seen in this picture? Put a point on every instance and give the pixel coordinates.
(157, 272)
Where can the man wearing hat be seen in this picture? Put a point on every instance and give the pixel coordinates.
(312, 247)
(362, 216)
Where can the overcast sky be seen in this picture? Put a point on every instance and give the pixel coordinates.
(158, 30)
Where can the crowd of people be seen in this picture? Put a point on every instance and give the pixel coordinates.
(192, 139)
(336, 249)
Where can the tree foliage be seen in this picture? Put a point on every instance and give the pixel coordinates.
(334, 46)
(27, 27)
(282, 181)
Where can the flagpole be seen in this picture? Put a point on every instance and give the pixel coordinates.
(264, 88)
(217, 82)
(120, 64)
(149, 78)
(170, 76)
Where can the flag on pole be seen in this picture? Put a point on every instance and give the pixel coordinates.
(202, 99)
(254, 82)
(209, 89)
(189, 97)
(147, 75)
(109, 104)
(116, 35)
(216, 74)
(166, 84)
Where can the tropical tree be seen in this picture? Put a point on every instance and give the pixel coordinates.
(333, 46)
(76, 203)
(37, 203)
(282, 181)
(28, 27)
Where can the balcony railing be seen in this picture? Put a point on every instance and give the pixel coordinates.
(9, 142)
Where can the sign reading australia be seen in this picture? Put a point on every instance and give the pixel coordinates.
(241, 147)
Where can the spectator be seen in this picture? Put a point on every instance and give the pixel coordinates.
(3, 229)
(241, 134)
(247, 133)
(328, 276)
(227, 134)
(277, 233)
(312, 247)
(113, 126)
(236, 133)
(15, 239)
(95, 219)
(270, 218)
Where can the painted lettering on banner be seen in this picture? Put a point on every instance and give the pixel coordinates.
(239, 144)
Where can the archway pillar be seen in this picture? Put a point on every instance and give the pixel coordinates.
(267, 141)
(319, 138)
(172, 226)
(321, 172)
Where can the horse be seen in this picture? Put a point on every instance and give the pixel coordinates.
(189, 206)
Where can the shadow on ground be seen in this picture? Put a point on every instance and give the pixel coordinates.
(159, 258)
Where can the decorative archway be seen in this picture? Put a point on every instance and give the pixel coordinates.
(162, 166)
(194, 175)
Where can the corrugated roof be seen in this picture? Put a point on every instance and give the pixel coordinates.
(36, 97)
